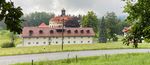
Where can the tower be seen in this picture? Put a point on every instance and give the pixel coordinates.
(63, 12)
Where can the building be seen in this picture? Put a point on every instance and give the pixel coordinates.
(53, 33)
(58, 21)
(126, 30)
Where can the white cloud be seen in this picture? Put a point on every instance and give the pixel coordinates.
(100, 7)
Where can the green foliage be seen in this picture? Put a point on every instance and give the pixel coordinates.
(7, 45)
(90, 20)
(102, 31)
(115, 38)
(112, 23)
(34, 19)
(5, 37)
(139, 14)
(11, 16)
(147, 40)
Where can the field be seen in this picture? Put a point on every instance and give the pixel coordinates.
(119, 59)
(4, 37)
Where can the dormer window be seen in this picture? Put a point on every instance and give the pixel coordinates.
(69, 31)
(51, 31)
(30, 32)
(41, 31)
(76, 31)
(82, 31)
(88, 31)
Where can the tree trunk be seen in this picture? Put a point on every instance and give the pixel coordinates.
(12, 39)
(135, 43)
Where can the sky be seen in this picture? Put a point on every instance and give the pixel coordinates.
(73, 7)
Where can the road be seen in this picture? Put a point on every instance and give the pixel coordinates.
(6, 60)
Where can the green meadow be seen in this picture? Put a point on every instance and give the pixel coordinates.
(119, 59)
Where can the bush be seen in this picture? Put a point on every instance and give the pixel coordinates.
(115, 38)
(7, 45)
(147, 40)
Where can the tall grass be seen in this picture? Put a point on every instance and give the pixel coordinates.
(5, 37)
(119, 59)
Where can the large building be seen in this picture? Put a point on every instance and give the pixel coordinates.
(55, 33)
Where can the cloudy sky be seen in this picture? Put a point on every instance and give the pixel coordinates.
(74, 7)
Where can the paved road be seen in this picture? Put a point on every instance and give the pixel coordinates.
(6, 60)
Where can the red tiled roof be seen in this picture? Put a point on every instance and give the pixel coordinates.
(126, 29)
(46, 32)
(43, 25)
(59, 19)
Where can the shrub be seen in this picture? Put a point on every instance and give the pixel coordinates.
(115, 38)
(7, 45)
(147, 40)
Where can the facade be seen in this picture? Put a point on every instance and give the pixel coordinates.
(36, 36)
(55, 32)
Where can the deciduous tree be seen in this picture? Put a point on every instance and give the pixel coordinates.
(90, 20)
(139, 18)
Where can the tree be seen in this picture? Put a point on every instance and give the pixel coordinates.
(102, 32)
(138, 17)
(111, 25)
(90, 20)
(72, 23)
(11, 16)
(34, 19)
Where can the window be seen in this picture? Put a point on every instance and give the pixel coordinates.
(81, 37)
(81, 41)
(44, 42)
(69, 31)
(88, 31)
(49, 38)
(82, 31)
(74, 41)
(41, 31)
(56, 42)
(68, 41)
(37, 42)
(29, 42)
(68, 37)
(37, 38)
(30, 32)
(88, 41)
(51, 31)
(76, 31)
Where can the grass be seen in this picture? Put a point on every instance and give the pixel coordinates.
(119, 59)
(4, 37)
(57, 48)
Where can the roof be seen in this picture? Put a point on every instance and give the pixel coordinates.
(56, 32)
(42, 25)
(126, 29)
(60, 19)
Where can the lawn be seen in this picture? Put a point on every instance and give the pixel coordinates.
(5, 37)
(119, 59)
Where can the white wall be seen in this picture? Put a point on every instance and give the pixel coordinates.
(56, 41)
(35, 41)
